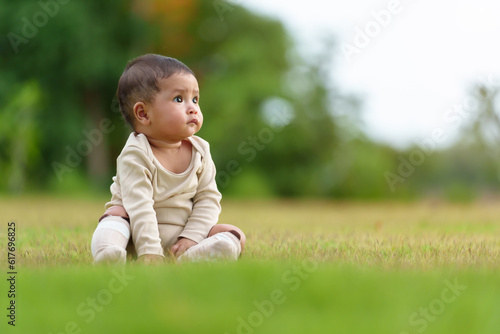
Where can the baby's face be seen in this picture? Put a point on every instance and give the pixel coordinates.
(175, 112)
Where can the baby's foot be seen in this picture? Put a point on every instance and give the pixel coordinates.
(225, 245)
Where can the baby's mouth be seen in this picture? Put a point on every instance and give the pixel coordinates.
(193, 121)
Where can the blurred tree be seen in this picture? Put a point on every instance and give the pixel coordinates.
(483, 120)
(469, 168)
(478, 147)
(274, 128)
(18, 137)
(75, 51)
(268, 111)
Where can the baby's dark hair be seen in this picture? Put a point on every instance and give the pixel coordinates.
(139, 81)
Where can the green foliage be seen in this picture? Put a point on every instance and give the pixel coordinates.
(241, 59)
(276, 123)
(76, 58)
(359, 170)
(19, 135)
(295, 138)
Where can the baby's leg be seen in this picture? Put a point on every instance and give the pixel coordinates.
(111, 237)
(223, 242)
(115, 210)
(219, 228)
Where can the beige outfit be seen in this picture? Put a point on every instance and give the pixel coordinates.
(163, 205)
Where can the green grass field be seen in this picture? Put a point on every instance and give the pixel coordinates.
(309, 267)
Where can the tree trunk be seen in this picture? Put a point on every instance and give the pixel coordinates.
(98, 162)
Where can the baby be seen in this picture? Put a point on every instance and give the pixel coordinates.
(164, 193)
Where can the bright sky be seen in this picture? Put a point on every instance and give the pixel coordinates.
(412, 67)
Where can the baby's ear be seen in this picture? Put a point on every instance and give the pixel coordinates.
(140, 113)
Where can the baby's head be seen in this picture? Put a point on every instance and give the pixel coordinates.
(147, 77)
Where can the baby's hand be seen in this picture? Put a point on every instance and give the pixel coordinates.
(182, 245)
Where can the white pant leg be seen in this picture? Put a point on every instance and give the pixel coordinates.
(224, 245)
(110, 240)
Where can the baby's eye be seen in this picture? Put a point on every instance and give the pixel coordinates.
(178, 99)
(195, 99)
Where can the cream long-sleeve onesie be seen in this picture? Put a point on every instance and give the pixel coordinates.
(153, 195)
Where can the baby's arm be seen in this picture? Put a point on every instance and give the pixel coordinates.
(133, 171)
(206, 204)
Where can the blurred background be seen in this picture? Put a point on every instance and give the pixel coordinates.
(361, 100)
